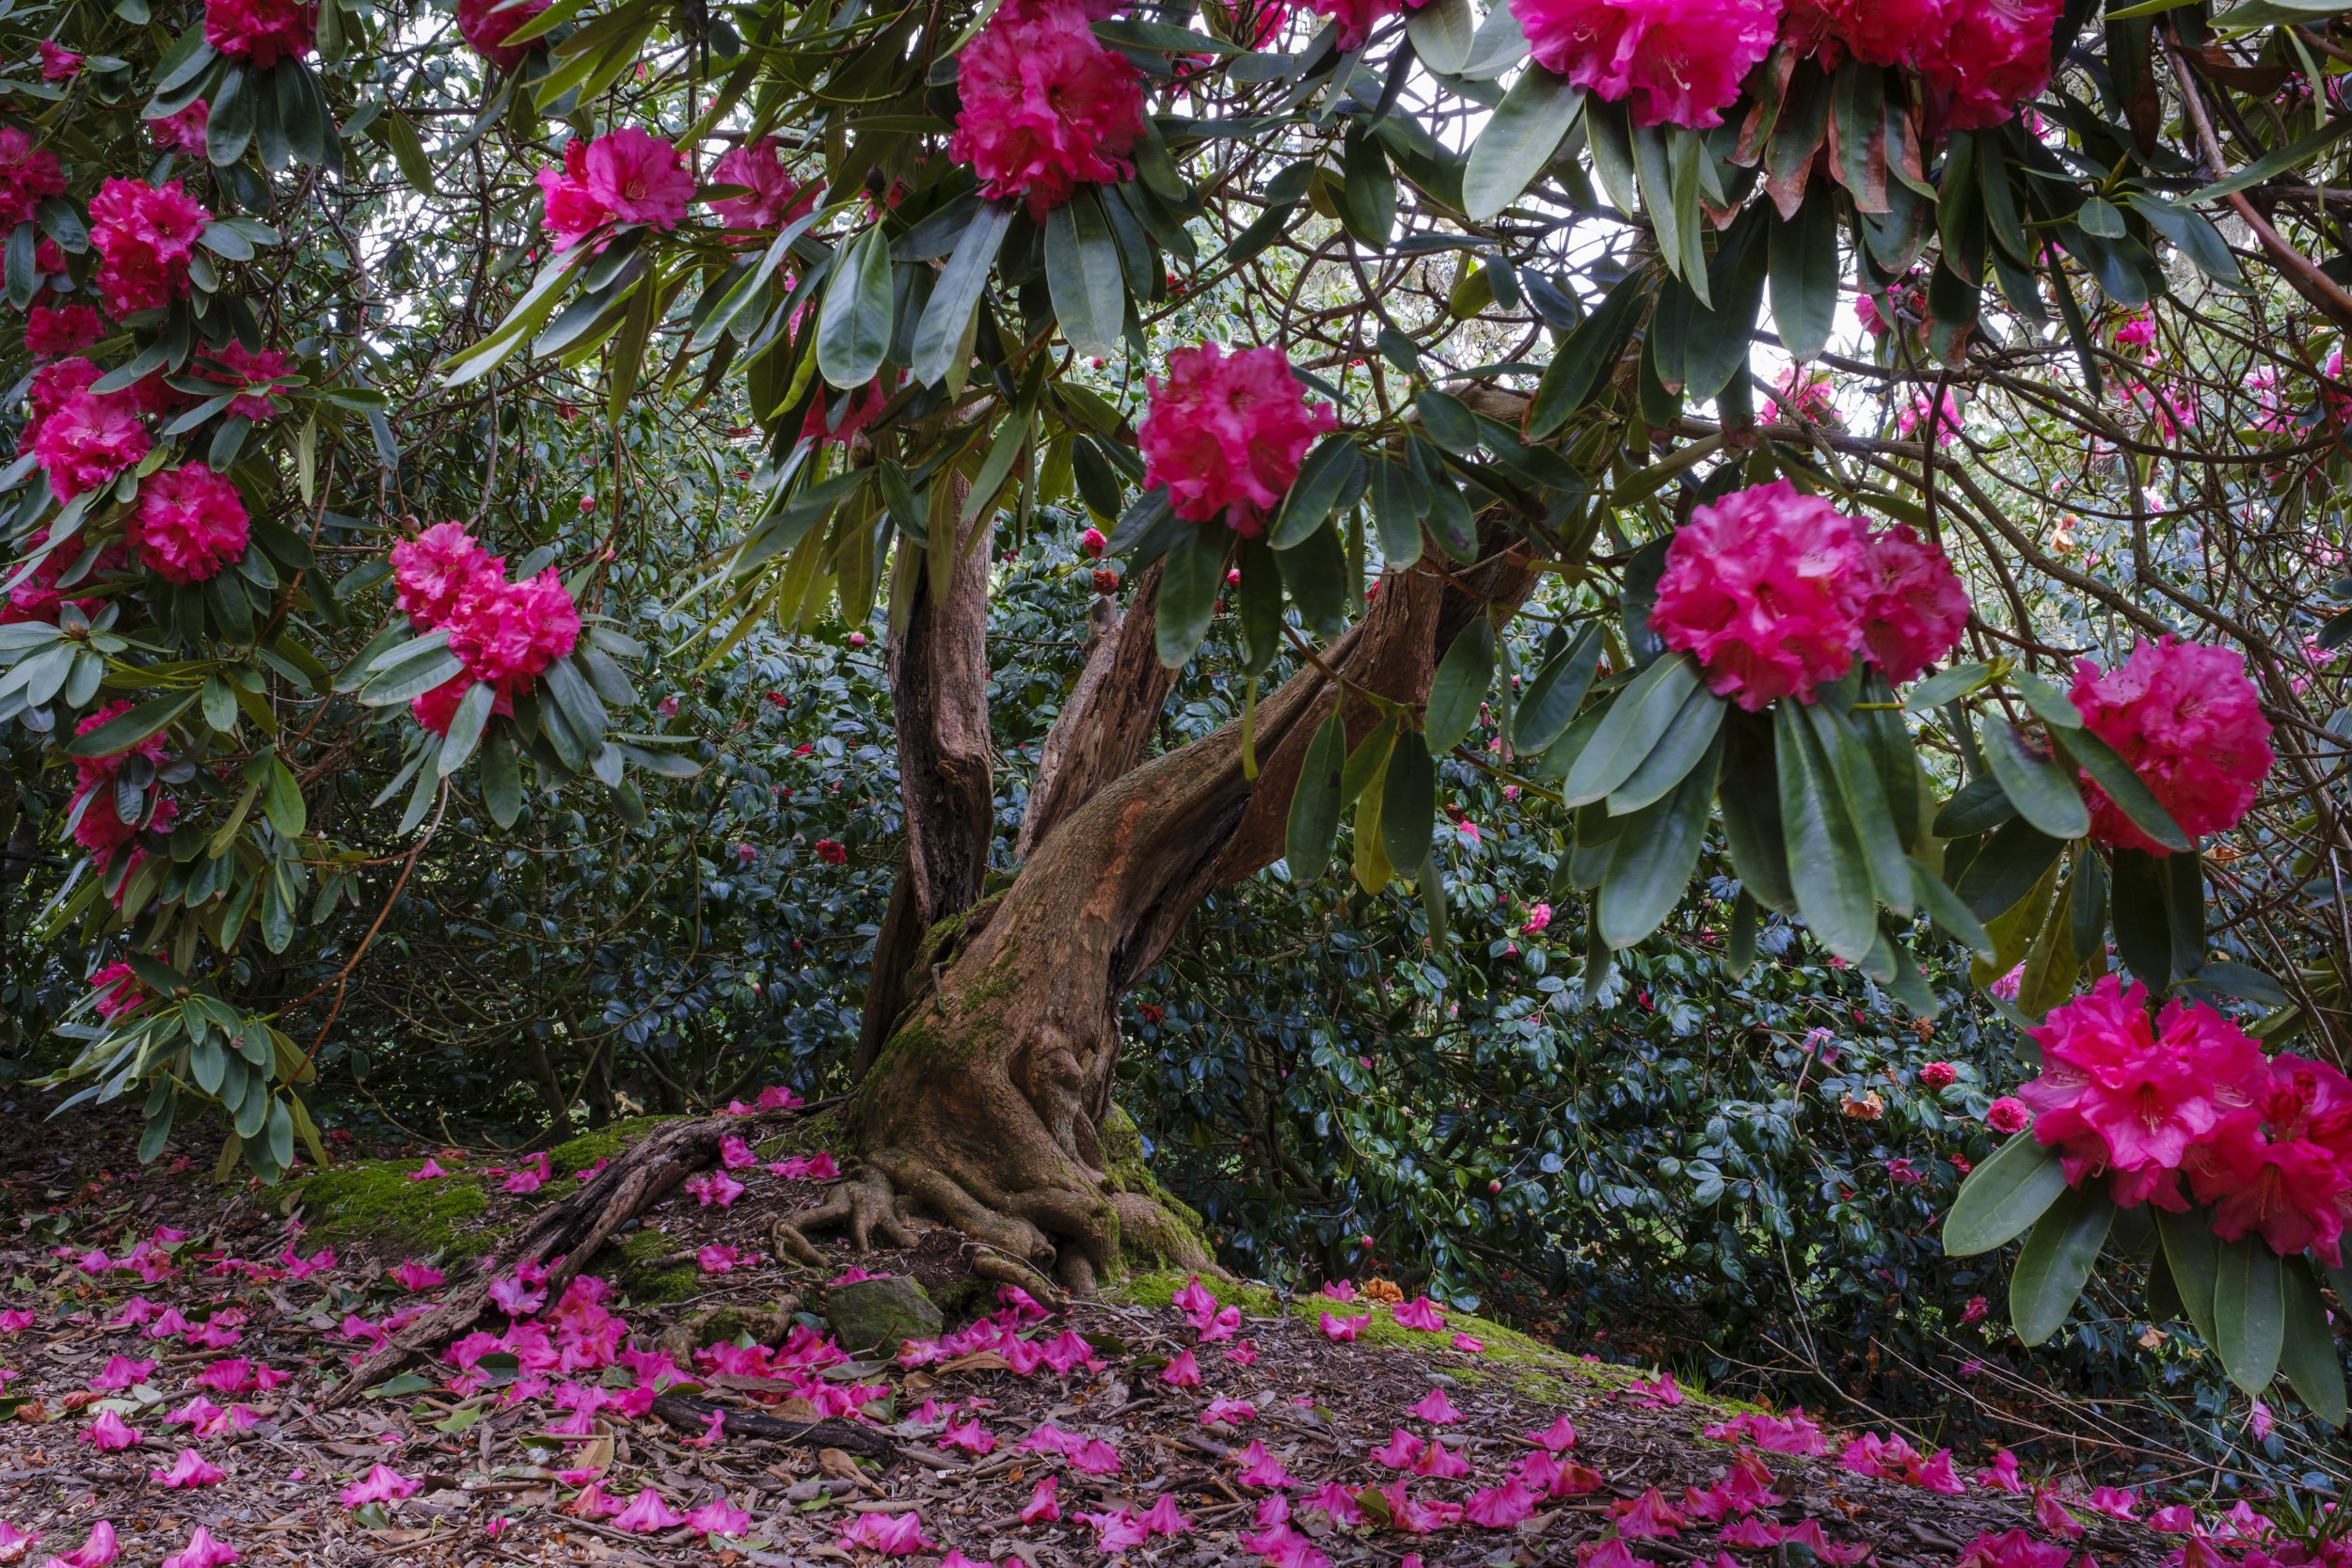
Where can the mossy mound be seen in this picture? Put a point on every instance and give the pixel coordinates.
(824, 1133)
(642, 1266)
(372, 1207)
(1126, 1171)
(579, 1153)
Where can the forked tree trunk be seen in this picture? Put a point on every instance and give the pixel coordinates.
(987, 1103)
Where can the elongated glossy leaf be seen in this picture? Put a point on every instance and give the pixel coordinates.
(2035, 784)
(126, 730)
(2111, 773)
(1082, 270)
(1556, 692)
(1867, 808)
(1636, 720)
(957, 294)
(2307, 1350)
(1394, 513)
(1942, 905)
(2248, 1312)
(1805, 274)
(2006, 869)
(2193, 1254)
(1751, 807)
(1976, 807)
(1689, 736)
(1657, 854)
(1194, 572)
(1314, 815)
(1441, 32)
(2056, 1260)
(1461, 687)
(2002, 1197)
(1586, 359)
(1827, 872)
(854, 324)
(1408, 801)
(1328, 473)
(1520, 137)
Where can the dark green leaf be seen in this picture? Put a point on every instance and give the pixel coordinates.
(1827, 872)
(1636, 720)
(2248, 1312)
(1520, 139)
(855, 323)
(1189, 583)
(1657, 851)
(2034, 782)
(1408, 801)
(2307, 1351)
(1331, 470)
(2002, 1197)
(957, 294)
(1556, 692)
(1314, 815)
(1459, 688)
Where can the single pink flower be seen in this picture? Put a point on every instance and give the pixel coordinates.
(719, 1517)
(98, 1550)
(1226, 433)
(1042, 1503)
(2189, 722)
(1045, 108)
(183, 132)
(1437, 1409)
(1994, 55)
(58, 64)
(772, 195)
(430, 1171)
(485, 25)
(201, 1551)
(190, 1469)
(382, 1485)
(1917, 608)
(647, 1514)
(1677, 62)
(892, 1535)
(1344, 1329)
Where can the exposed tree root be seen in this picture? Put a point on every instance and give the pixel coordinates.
(571, 1232)
(688, 1414)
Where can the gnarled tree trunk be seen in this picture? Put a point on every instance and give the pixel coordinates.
(987, 1103)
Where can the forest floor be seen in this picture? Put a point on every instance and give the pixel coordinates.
(150, 1306)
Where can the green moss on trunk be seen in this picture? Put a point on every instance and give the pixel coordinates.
(372, 1207)
(603, 1143)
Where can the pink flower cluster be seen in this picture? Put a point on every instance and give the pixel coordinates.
(38, 596)
(507, 633)
(261, 32)
(98, 824)
(53, 330)
(1226, 433)
(260, 372)
(144, 234)
(1978, 61)
(2267, 1142)
(81, 438)
(190, 523)
(1776, 593)
(485, 25)
(2189, 722)
(184, 132)
(1045, 107)
(27, 173)
(117, 990)
(623, 176)
(1357, 18)
(1677, 62)
(772, 195)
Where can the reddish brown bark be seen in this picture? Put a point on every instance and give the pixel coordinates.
(989, 1105)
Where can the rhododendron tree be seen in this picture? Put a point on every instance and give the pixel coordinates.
(1402, 360)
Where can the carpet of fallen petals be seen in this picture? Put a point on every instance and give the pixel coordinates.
(164, 1342)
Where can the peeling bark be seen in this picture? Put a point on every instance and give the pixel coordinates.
(987, 1106)
(938, 668)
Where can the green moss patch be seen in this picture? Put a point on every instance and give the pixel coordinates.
(603, 1143)
(370, 1206)
(644, 1269)
(824, 1134)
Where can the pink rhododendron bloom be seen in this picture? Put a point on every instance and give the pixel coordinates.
(16, 1320)
(1162, 1518)
(110, 1433)
(1357, 18)
(530, 1176)
(861, 409)
(144, 235)
(1501, 1507)
(52, 330)
(1227, 1412)
(1183, 1372)
(1421, 1312)
(1470, 1344)
(260, 372)
(191, 523)
(777, 1096)
(1226, 433)
(1890, 33)
(1042, 1503)
(1801, 395)
(1538, 919)
(2120, 1092)
(1115, 1531)
(433, 573)
(968, 1435)
(382, 1485)
(1045, 108)
(593, 1503)
(720, 1258)
(261, 32)
(81, 438)
(58, 64)
(485, 25)
(1437, 1409)
(118, 986)
(1994, 55)
(1558, 1437)
(2282, 1166)
(99, 1549)
(27, 173)
(647, 1514)
(1767, 588)
(734, 1153)
(183, 132)
(1339, 1289)
(772, 195)
(2189, 722)
(1344, 1330)
(1917, 608)
(508, 633)
(1677, 62)
(190, 1469)
(1261, 1469)
(2012, 1549)
(639, 178)
(123, 1371)
(201, 1551)
(719, 1517)
(1647, 1517)
(1401, 1451)
(2008, 1114)
(892, 1535)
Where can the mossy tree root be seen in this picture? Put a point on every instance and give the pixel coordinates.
(566, 1236)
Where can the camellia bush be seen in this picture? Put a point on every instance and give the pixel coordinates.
(1391, 331)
